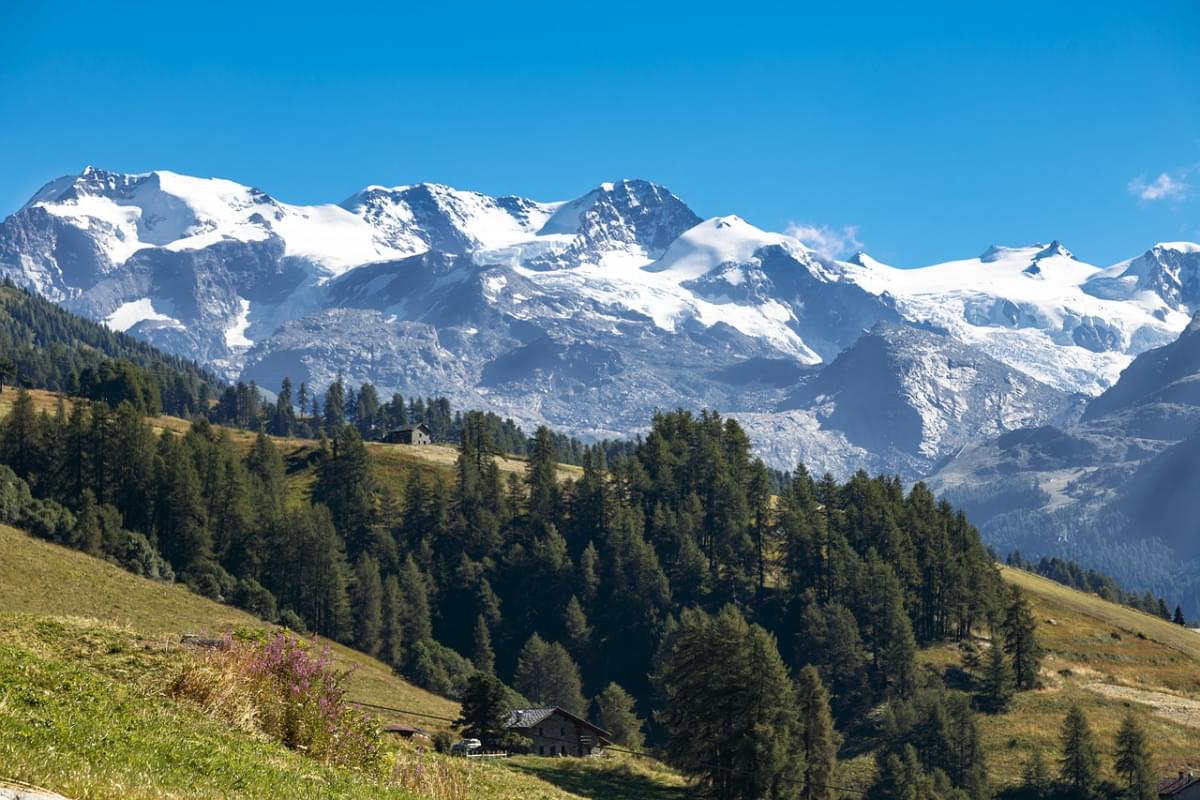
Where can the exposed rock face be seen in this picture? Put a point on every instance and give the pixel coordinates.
(1117, 490)
(591, 313)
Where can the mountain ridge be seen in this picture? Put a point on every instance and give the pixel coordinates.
(584, 314)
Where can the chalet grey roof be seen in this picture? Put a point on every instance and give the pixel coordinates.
(414, 426)
(526, 718)
(1173, 786)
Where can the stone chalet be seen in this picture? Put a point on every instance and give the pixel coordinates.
(410, 434)
(557, 732)
(1185, 787)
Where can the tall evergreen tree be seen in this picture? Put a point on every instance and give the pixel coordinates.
(1035, 776)
(730, 707)
(19, 436)
(88, 535)
(817, 743)
(1179, 618)
(579, 632)
(415, 618)
(368, 605)
(1020, 640)
(483, 658)
(998, 680)
(615, 713)
(1080, 765)
(541, 479)
(392, 631)
(485, 708)
(335, 406)
(547, 676)
(1134, 763)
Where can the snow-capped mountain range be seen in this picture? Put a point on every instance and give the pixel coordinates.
(590, 313)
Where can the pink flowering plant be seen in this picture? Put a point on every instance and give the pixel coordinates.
(286, 687)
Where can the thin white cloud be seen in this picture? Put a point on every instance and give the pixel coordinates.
(1165, 187)
(829, 242)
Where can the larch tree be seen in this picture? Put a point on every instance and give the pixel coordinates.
(483, 657)
(368, 605)
(1080, 764)
(615, 713)
(1019, 630)
(1134, 762)
(998, 680)
(392, 632)
(546, 675)
(817, 742)
(730, 708)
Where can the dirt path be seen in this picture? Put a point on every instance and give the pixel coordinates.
(1182, 710)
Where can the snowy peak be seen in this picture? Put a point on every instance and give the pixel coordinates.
(430, 216)
(1053, 250)
(628, 219)
(714, 243)
(1170, 270)
(124, 213)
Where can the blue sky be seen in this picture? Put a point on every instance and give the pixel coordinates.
(922, 131)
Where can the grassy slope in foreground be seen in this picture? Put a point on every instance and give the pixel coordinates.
(43, 579)
(86, 648)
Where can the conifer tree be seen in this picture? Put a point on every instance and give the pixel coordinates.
(1162, 610)
(183, 522)
(392, 632)
(1020, 640)
(18, 436)
(483, 658)
(579, 632)
(1134, 763)
(1035, 776)
(547, 675)
(368, 605)
(1080, 765)
(1179, 619)
(415, 618)
(998, 680)
(817, 743)
(892, 640)
(87, 535)
(335, 406)
(730, 707)
(615, 713)
(541, 479)
(485, 709)
(829, 639)
(589, 576)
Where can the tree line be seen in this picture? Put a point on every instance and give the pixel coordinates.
(1068, 573)
(44, 346)
(305, 412)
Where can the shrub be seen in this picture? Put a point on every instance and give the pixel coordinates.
(439, 669)
(443, 741)
(135, 553)
(292, 621)
(283, 688)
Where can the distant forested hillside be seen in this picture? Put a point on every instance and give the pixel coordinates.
(45, 346)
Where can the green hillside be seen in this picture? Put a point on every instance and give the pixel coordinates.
(86, 650)
(1107, 658)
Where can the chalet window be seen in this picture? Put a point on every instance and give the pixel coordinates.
(539, 731)
(541, 750)
(562, 731)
